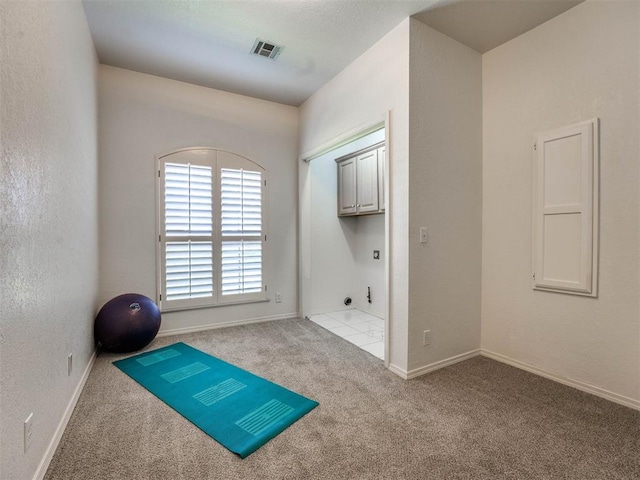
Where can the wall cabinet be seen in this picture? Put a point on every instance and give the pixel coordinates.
(361, 182)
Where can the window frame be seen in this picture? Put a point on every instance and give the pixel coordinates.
(217, 159)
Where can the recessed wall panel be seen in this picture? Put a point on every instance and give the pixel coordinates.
(562, 248)
(563, 171)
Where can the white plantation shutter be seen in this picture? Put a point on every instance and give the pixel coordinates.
(188, 197)
(188, 232)
(241, 267)
(211, 229)
(241, 194)
(241, 216)
(189, 271)
(242, 236)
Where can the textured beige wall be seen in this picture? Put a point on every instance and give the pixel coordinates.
(580, 65)
(142, 116)
(48, 220)
(375, 83)
(445, 196)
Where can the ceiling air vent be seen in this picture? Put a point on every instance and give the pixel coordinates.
(265, 49)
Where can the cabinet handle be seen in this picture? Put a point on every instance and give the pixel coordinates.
(358, 205)
(352, 206)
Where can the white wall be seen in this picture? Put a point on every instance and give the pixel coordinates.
(332, 258)
(580, 65)
(369, 272)
(432, 86)
(375, 83)
(48, 221)
(142, 116)
(445, 195)
(342, 247)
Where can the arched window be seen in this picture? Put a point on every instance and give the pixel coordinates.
(212, 230)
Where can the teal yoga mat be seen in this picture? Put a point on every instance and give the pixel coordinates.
(238, 409)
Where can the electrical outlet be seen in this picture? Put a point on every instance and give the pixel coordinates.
(69, 363)
(278, 297)
(28, 432)
(426, 337)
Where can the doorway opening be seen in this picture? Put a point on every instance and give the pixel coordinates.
(343, 241)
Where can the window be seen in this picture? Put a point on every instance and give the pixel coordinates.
(211, 229)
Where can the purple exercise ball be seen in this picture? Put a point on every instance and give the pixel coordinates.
(126, 323)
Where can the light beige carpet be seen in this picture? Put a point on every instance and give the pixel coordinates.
(478, 419)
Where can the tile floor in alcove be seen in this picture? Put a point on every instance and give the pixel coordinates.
(358, 327)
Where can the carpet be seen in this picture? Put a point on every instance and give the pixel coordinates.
(474, 420)
(240, 410)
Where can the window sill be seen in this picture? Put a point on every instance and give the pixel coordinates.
(214, 305)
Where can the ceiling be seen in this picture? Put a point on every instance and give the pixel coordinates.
(209, 42)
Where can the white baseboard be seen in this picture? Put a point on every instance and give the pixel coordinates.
(585, 387)
(55, 441)
(233, 323)
(407, 375)
(398, 371)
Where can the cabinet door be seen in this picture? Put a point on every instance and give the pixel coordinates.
(347, 187)
(367, 182)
